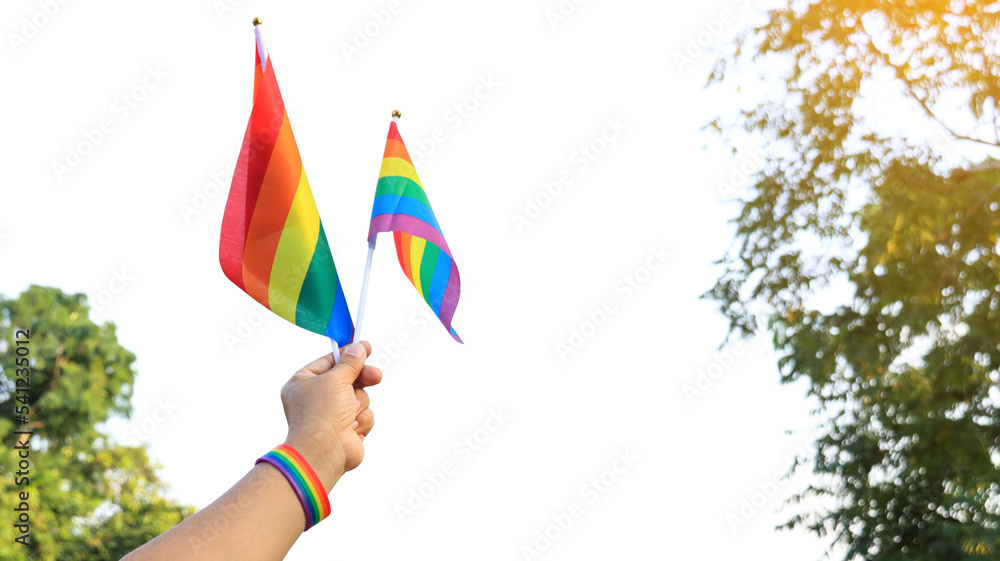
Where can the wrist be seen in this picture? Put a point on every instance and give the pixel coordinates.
(323, 459)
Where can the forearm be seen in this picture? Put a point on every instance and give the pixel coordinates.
(258, 519)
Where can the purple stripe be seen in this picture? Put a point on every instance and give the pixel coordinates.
(450, 300)
(412, 226)
(306, 508)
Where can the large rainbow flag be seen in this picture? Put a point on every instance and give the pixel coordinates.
(273, 245)
(401, 207)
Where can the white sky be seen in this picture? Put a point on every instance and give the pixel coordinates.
(122, 212)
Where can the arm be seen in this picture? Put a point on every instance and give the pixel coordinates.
(260, 518)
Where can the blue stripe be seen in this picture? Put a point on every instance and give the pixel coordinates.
(398, 204)
(439, 282)
(340, 327)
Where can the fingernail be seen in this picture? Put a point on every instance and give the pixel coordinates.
(359, 403)
(356, 349)
(355, 424)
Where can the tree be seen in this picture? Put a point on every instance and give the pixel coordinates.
(89, 498)
(870, 255)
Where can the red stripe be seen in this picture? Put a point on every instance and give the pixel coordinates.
(258, 72)
(233, 238)
(394, 132)
(266, 118)
(265, 121)
(397, 237)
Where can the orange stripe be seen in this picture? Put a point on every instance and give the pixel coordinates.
(405, 238)
(396, 149)
(284, 170)
(258, 75)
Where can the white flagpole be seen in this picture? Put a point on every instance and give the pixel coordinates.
(336, 351)
(364, 288)
(368, 268)
(262, 53)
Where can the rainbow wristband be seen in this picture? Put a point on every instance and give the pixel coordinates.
(303, 480)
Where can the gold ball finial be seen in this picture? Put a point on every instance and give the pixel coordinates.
(257, 21)
(397, 114)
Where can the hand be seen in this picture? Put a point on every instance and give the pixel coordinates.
(327, 411)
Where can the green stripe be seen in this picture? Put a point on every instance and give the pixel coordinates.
(318, 293)
(427, 265)
(396, 185)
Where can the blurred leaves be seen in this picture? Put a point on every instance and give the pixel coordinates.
(905, 367)
(89, 498)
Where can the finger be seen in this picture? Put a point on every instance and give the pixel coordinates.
(363, 399)
(325, 363)
(321, 365)
(368, 348)
(352, 361)
(370, 375)
(365, 422)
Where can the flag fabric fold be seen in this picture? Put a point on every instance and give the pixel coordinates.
(401, 207)
(273, 246)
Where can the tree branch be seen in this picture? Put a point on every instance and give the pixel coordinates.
(911, 91)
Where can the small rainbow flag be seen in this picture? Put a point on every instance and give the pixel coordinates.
(401, 207)
(273, 245)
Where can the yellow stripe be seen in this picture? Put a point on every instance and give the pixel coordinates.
(416, 255)
(294, 253)
(400, 167)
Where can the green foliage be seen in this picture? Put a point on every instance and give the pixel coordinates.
(90, 499)
(905, 368)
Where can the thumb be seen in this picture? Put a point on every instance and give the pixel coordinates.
(352, 360)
